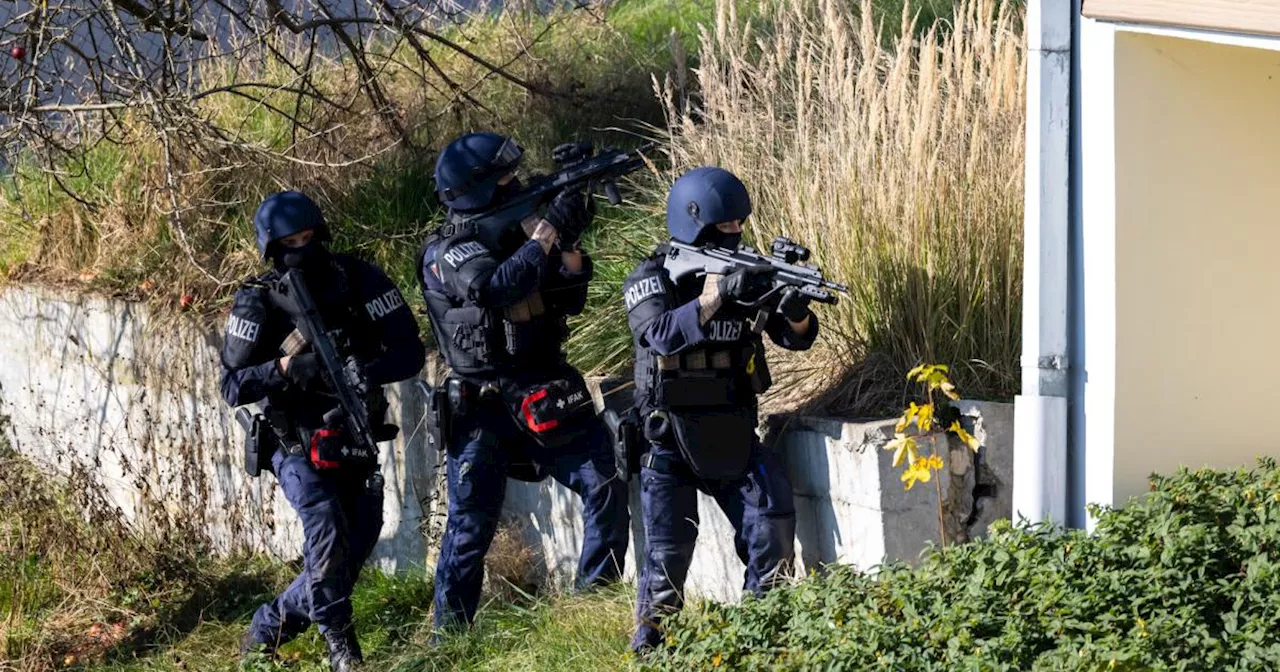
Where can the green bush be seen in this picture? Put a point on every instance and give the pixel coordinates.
(1183, 578)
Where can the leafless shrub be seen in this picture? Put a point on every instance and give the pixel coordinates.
(196, 108)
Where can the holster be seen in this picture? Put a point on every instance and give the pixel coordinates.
(624, 431)
(258, 445)
(438, 418)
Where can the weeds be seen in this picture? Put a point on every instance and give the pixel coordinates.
(77, 584)
(901, 165)
(886, 136)
(1182, 578)
(105, 223)
(87, 592)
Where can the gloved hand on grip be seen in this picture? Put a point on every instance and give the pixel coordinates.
(747, 283)
(570, 213)
(794, 305)
(304, 370)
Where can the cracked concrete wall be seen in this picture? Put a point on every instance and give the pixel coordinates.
(134, 400)
(99, 384)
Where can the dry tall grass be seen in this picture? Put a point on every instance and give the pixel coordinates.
(901, 166)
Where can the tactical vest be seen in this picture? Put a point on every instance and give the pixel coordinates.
(337, 296)
(726, 370)
(336, 292)
(485, 342)
(703, 399)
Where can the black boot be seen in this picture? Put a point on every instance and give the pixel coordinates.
(344, 650)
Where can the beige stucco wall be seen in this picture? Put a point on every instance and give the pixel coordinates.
(1197, 151)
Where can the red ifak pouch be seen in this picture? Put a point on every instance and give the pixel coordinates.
(552, 411)
(331, 450)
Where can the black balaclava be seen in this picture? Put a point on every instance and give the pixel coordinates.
(712, 235)
(307, 257)
(505, 191)
(502, 233)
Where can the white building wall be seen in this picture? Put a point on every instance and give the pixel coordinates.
(1181, 177)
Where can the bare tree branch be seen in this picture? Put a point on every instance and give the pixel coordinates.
(227, 96)
(152, 19)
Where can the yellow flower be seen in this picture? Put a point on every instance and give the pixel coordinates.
(933, 462)
(949, 389)
(907, 416)
(716, 660)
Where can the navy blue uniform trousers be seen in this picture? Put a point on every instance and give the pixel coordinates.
(759, 506)
(477, 477)
(341, 516)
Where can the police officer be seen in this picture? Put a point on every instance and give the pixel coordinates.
(699, 367)
(340, 507)
(498, 288)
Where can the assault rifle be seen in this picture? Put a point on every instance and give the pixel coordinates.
(579, 167)
(344, 374)
(786, 257)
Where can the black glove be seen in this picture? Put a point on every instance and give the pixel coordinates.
(304, 370)
(747, 283)
(570, 213)
(794, 305)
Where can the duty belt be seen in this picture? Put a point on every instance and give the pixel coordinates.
(478, 389)
(666, 464)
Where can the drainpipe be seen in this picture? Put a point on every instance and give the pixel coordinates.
(1041, 412)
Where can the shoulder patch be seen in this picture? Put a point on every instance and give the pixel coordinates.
(243, 329)
(457, 255)
(645, 287)
(384, 305)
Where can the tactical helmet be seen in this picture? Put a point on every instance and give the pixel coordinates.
(285, 213)
(704, 197)
(468, 170)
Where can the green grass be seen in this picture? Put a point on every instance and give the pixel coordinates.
(583, 632)
(567, 632)
(95, 594)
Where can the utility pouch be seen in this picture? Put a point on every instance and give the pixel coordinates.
(551, 412)
(624, 430)
(330, 449)
(688, 390)
(716, 445)
(257, 441)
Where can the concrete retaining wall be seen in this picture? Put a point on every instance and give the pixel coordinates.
(98, 386)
